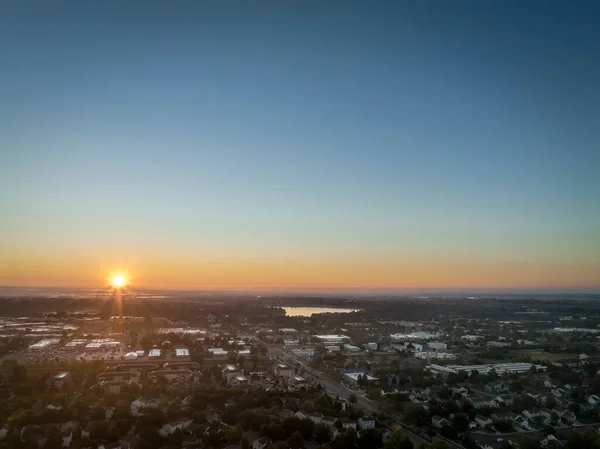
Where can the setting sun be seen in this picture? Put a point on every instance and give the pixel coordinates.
(118, 281)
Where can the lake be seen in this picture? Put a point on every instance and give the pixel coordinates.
(308, 311)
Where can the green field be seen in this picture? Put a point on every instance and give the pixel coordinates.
(538, 354)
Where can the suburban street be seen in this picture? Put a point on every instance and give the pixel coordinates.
(335, 388)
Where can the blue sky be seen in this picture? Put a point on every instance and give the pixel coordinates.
(301, 131)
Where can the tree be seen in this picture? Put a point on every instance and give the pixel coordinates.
(370, 439)
(437, 444)
(54, 441)
(550, 402)
(460, 421)
(254, 357)
(244, 443)
(399, 440)
(525, 442)
(415, 414)
(352, 398)
(296, 441)
(306, 428)
(322, 433)
(554, 417)
(232, 434)
(241, 361)
(574, 407)
(231, 357)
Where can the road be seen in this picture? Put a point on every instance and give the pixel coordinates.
(335, 388)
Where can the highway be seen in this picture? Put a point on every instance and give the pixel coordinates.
(335, 388)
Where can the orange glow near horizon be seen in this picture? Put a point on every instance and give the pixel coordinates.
(264, 272)
(118, 280)
(281, 274)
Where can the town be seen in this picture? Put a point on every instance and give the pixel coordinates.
(276, 372)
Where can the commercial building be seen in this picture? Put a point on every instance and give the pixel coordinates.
(333, 338)
(154, 353)
(182, 352)
(351, 348)
(43, 344)
(500, 368)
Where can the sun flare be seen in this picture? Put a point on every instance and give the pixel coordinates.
(118, 281)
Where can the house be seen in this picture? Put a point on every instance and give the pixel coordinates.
(140, 403)
(533, 415)
(296, 382)
(593, 400)
(478, 402)
(286, 413)
(439, 422)
(61, 380)
(549, 441)
(128, 441)
(366, 422)
(348, 424)
(568, 416)
(315, 417)
(329, 421)
(261, 443)
(281, 369)
(483, 421)
(503, 416)
(301, 415)
(187, 402)
(230, 371)
(236, 381)
(67, 437)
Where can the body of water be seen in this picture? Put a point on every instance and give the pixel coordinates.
(308, 311)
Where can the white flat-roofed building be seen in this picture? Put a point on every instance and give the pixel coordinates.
(429, 355)
(243, 352)
(154, 353)
(332, 338)
(182, 352)
(303, 352)
(500, 368)
(372, 346)
(93, 345)
(351, 348)
(130, 356)
(43, 344)
(414, 336)
(75, 343)
(437, 345)
(333, 348)
(140, 353)
(287, 330)
(181, 331)
(218, 352)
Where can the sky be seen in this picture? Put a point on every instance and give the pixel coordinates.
(301, 144)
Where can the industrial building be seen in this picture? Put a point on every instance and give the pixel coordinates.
(500, 368)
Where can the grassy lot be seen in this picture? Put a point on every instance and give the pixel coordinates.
(539, 354)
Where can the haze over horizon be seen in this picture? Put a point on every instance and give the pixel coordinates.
(301, 145)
